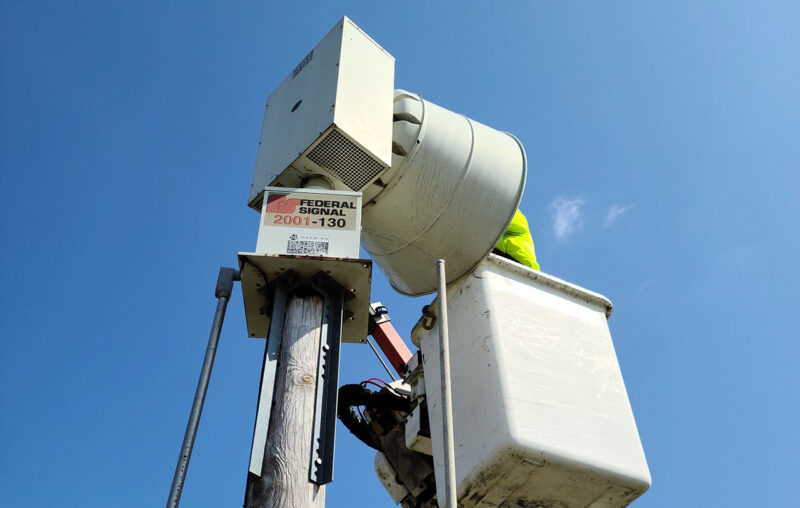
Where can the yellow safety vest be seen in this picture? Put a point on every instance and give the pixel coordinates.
(517, 242)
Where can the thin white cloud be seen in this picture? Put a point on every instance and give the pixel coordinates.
(567, 216)
(613, 214)
(654, 287)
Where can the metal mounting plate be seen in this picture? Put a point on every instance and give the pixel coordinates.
(353, 274)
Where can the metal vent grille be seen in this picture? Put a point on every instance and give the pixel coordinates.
(345, 160)
(257, 203)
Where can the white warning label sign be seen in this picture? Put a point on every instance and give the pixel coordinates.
(307, 210)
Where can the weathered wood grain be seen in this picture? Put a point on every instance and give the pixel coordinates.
(284, 482)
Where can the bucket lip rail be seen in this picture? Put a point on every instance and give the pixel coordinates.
(539, 277)
(551, 281)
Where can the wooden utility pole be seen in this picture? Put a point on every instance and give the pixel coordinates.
(284, 481)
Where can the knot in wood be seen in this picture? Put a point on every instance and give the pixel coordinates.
(307, 379)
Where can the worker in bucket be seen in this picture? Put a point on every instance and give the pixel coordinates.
(517, 242)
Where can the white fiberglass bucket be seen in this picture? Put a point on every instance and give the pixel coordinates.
(540, 412)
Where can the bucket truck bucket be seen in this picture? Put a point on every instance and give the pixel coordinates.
(540, 412)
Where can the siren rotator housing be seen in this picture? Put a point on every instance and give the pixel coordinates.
(435, 184)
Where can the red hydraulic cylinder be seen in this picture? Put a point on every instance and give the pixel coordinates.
(387, 338)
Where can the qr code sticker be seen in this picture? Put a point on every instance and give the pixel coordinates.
(307, 244)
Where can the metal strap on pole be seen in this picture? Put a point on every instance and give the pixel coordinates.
(272, 351)
(447, 401)
(320, 469)
(223, 294)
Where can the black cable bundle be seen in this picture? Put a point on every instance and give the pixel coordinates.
(354, 395)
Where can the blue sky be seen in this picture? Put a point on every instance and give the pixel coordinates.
(663, 142)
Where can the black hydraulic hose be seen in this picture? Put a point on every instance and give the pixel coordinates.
(353, 395)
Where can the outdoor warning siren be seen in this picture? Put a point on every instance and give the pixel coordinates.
(434, 184)
(330, 117)
(450, 194)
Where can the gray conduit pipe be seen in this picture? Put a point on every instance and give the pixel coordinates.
(447, 401)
